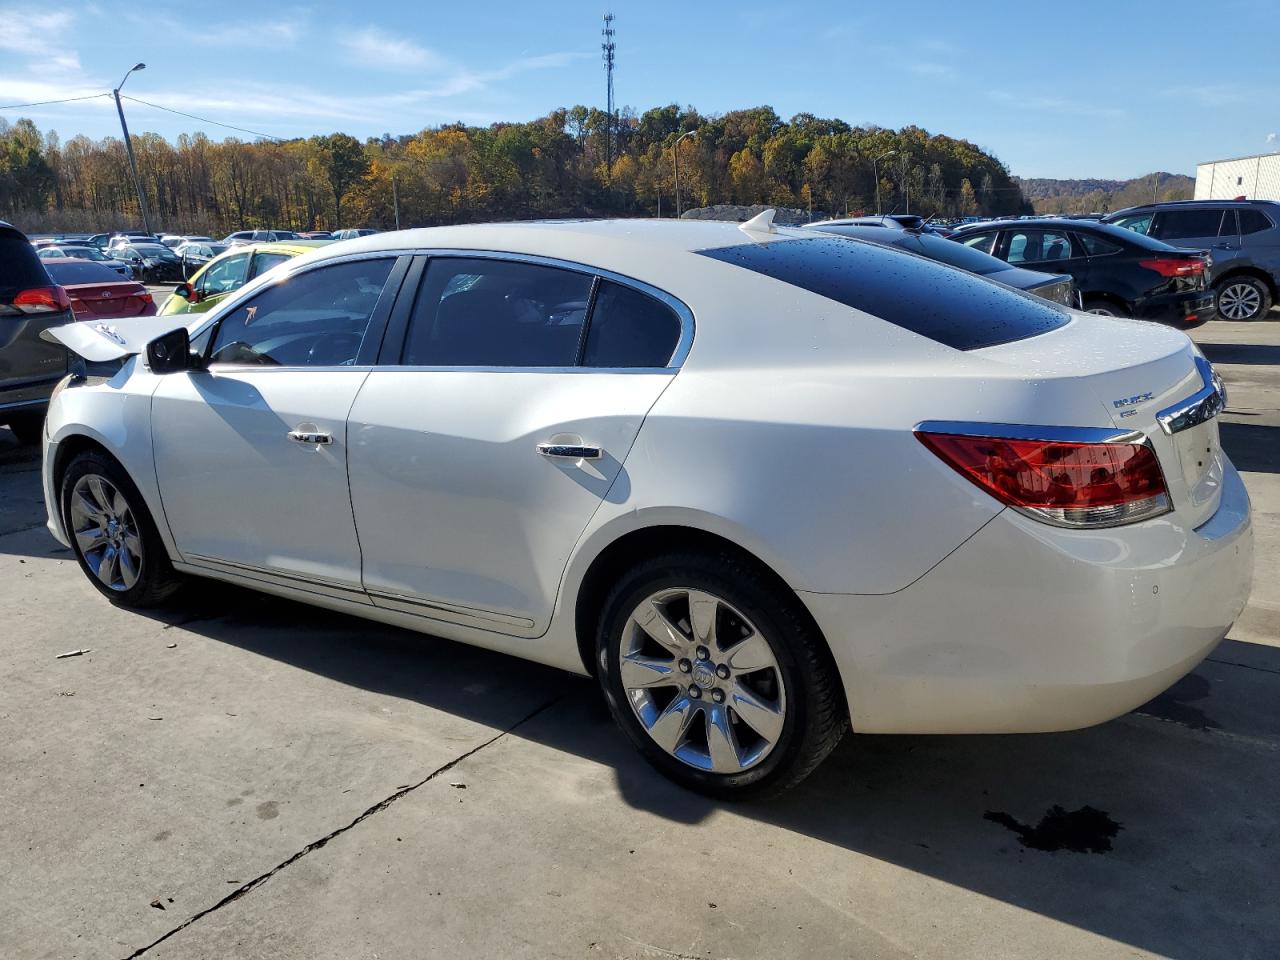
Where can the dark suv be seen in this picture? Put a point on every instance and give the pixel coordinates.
(1242, 235)
(30, 367)
(1118, 272)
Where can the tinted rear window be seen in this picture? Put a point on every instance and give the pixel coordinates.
(80, 271)
(1126, 238)
(956, 309)
(20, 267)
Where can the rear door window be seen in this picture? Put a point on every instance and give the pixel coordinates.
(630, 329)
(1186, 224)
(481, 312)
(1038, 246)
(1228, 226)
(959, 310)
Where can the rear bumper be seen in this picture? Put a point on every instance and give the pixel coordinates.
(1029, 628)
(1182, 310)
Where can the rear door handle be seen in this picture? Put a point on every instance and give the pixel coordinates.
(569, 451)
(310, 437)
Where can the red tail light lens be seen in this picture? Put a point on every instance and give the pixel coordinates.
(42, 300)
(1171, 267)
(145, 297)
(1064, 483)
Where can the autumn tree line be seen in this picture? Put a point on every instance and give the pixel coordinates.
(572, 162)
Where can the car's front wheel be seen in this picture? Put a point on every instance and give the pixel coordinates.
(1243, 298)
(112, 533)
(718, 676)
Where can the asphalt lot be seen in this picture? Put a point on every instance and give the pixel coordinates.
(246, 777)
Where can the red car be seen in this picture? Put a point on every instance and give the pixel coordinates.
(98, 293)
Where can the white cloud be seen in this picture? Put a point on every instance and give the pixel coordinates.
(373, 47)
(1271, 138)
(283, 31)
(1212, 94)
(1055, 105)
(25, 32)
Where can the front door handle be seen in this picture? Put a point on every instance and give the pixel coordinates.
(569, 451)
(310, 436)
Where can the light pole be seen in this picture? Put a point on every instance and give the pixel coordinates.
(875, 172)
(128, 146)
(675, 158)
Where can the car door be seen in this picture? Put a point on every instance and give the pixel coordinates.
(502, 416)
(1046, 249)
(250, 452)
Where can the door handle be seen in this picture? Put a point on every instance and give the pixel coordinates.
(569, 451)
(310, 437)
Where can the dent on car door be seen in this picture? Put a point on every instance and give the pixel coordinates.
(481, 450)
(250, 452)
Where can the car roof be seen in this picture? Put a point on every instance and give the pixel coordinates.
(1142, 207)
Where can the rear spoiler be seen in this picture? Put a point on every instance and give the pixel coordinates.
(102, 342)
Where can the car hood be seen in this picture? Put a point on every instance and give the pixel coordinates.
(100, 342)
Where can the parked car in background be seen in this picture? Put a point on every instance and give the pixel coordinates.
(316, 235)
(1058, 287)
(512, 435)
(352, 233)
(231, 270)
(258, 236)
(1117, 272)
(30, 366)
(151, 262)
(1243, 237)
(83, 250)
(97, 292)
(196, 253)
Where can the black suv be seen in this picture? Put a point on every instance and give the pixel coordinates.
(1117, 272)
(1242, 235)
(30, 302)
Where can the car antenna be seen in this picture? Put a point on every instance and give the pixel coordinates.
(761, 223)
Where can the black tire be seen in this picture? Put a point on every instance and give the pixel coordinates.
(1232, 295)
(1107, 307)
(157, 581)
(27, 427)
(815, 715)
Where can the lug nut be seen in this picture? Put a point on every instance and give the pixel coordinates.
(703, 653)
(684, 665)
(695, 692)
(717, 695)
(722, 671)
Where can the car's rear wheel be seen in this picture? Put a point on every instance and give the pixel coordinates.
(718, 676)
(27, 427)
(1103, 307)
(1243, 298)
(112, 533)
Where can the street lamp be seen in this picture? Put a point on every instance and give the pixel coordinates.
(128, 146)
(875, 171)
(675, 158)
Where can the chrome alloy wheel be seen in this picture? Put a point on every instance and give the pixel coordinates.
(1239, 301)
(702, 681)
(106, 532)
(1101, 311)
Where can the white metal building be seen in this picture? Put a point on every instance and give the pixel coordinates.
(1254, 178)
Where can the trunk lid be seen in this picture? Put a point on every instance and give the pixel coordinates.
(103, 341)
(1141, 373)
(123, 299)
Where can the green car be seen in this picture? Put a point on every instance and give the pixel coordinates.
(230, 271)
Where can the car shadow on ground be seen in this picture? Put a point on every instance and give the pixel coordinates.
(1252, 447)
(1163, 818)
(1250, 354)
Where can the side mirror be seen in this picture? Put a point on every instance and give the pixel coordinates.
(182, 290)
(170, 353)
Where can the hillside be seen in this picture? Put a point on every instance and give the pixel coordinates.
(1092, 196)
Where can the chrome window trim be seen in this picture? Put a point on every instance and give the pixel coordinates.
(679, 307)
(1024, 431)
(1203, 405)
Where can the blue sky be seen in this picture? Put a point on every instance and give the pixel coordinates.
(1075, 89)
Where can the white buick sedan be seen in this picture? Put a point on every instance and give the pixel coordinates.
(765, 485)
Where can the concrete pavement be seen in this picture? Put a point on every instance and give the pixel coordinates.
(248, 777)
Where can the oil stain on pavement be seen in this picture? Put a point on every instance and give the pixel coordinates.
(1087, 830)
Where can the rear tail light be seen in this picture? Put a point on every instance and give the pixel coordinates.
(145, 297)
(1065, 483)
(42, 300)
(1174, 267)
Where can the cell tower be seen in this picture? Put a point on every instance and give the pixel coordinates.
(608, 47)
